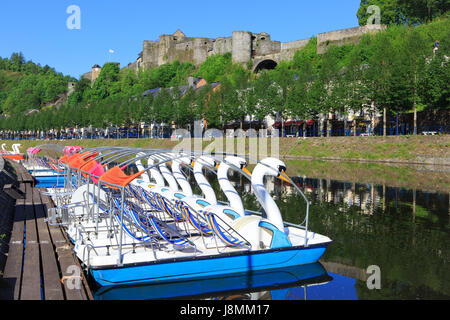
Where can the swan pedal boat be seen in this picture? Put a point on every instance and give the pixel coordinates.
(265, 242)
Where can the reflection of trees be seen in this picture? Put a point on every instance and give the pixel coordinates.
(405, 251)
(408, 250)
(396, 290)
(406, 234)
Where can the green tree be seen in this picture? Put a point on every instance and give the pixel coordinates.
(259, 86)
(354, 85)
(104, 84)
(215, 67)
(17, 61)
(163, 107)
(381, 75)
(420, 11)
(275, 97)
(390, 10)
(403, 11)
(414, 51)
(202, 103)
(435, 86)
(80, 92)
(185, 109)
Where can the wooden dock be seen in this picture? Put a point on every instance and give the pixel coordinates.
(40, 264)
(23, 176)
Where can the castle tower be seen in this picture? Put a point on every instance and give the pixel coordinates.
(70, 88)
(96, 69)
(241, 46)
(179, 35)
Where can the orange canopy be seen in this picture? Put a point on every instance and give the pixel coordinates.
(84, 156)
(118, 177)
(12, 156)
(88, 165)
(64, 158)
(67, 159)
(77, 160)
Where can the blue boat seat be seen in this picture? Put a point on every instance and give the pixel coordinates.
(194, 220)
(228, 236)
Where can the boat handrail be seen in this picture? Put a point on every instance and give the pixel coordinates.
(89, 247)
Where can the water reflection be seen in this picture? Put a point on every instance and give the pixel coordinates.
(277, 284)
(368, 198)
(404, 231)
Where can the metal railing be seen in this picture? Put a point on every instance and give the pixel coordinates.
(113, 209)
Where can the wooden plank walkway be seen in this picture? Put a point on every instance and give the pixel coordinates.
(22, 174)
(40, 259)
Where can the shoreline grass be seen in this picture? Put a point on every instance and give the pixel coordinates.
(407, 149)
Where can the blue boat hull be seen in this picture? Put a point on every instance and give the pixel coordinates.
(206, 267)
(49, 181)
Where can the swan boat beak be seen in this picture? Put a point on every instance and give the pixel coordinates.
(247, 171)
(283, 176)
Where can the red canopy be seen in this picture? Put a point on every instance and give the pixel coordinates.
(277, 124)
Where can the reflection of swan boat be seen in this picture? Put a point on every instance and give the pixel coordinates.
(132, 231)
(271, 283)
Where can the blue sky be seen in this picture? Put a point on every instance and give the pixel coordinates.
(38, 28)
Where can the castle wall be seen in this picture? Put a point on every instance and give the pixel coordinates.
(134, 65)
(344, 36)
(150, 54)
(222, 46)
(183, 52)
(242, 46)
(288, 49)
(202, 46)
(262, 45)
(87, 75)
(166, 43)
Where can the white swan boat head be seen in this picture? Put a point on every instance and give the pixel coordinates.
(267, 232)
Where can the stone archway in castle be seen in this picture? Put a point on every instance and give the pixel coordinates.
(267, 64)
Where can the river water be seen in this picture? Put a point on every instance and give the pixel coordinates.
(398, 232)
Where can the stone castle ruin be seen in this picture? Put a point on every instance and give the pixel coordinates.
(257, 50)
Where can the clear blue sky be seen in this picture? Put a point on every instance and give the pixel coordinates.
(38, 28)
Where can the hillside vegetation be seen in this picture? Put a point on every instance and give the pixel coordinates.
(25, 85)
